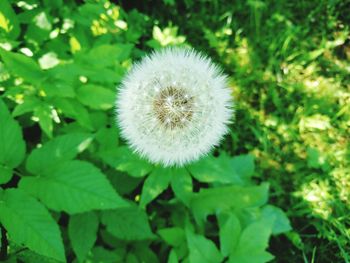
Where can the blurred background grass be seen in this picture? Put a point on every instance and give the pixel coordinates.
(289, 68)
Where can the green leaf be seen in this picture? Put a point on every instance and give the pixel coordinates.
(181, 183)
(28, 105)
(215, 200)
(173, 257)
(8, 20)
(96, 97)
(43, 113)
(62, 148)
(280, 221)
(82, 231)
(22, 66)
(12, 145)
(157, 182)
(73, 187)
(102, 255)
(243, 165)
(29, 223)
(230, 230)
(124, 160)
(252, 244)
(130, 223)
(174, 236)
(202, 249)
(215, 169)
(5, 174)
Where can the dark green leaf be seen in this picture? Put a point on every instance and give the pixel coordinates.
(82, 231)
(129, 223)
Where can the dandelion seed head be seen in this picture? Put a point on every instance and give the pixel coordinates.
(174, 106)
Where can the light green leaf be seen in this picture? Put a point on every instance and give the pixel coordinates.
(22, 66)
(82, 231)
(157, 182)
(73, 187)
(28, 105)
(124, 160)
(181, 183)
(43, 113)
(243, 165)
(202, 249)
(128, 224)
(252, 244)
(12, 145)
(174, 236)
(280, 221)
(173, 257)
(215, 169)
(5, 174)
(8, 20)
(211, 201)
(96, 97)
(30, 224)
(62, 148)
(230, 230)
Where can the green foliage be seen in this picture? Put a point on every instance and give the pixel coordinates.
(71, 190)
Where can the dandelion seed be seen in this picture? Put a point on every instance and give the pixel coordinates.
(174, 106)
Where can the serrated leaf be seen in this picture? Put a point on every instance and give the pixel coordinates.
(124, 160)
(215, 169)
(82, 231)
(280, 221)
(229, 233)
(128, 224)
(211, 201)
(96, 97)
(202, 249)
(252, 243)
(73, 187)
(29, 223)
(62, 148)
(12, 145)
(22, 66)
(157, 182)
(181, 184)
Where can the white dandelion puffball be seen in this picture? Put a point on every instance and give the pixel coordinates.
(174, 106)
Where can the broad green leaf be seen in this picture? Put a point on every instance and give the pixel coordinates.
(107, 138)
(22, 66)
(96, 97)
(215, 169)
(174, 236)
(12, 145)
(145, 254)
(82, 231)
(62, 148)
(103, 255)
(252, 244)
(229, 233)
(130, 223)
(124, 160)
(8, 20)
(280, 221)
(30, 224)
(157, 182)
(173, 257)
(181, 183)
(215, 200)
(73, 187)
(28, 105)
(202, 249)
